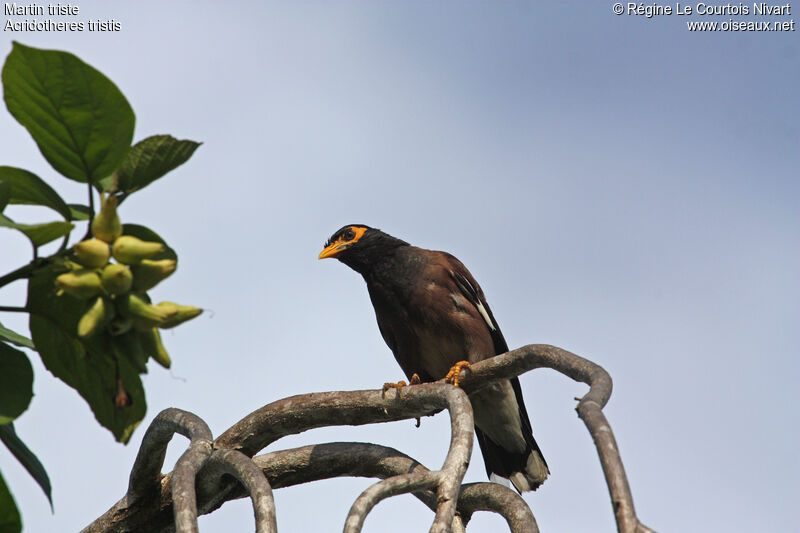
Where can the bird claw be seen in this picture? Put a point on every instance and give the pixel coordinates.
(399, 385)
(452, 377)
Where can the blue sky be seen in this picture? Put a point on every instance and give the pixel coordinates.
(621, 187)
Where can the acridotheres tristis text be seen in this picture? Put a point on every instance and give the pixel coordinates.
(432, 314)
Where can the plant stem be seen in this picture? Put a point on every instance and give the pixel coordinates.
(20, 273)
(91, 202)
(91, 211)
(13, 309)
(26, 271)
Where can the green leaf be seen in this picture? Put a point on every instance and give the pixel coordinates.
(5, 194)
(146, 234)
(79, 212)
(14, 338)
(28, 188)
(150, 159)
(129, 345)
(27, 458)
(16, 383)
(81, 121)
(10, 521)
(90, 367)
(39, 234)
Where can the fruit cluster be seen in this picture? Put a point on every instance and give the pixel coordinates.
(120, 305)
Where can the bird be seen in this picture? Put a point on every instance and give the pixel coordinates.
(433, 314)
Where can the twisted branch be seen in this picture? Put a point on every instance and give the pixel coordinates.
(455, 465)
(497, 499)
(287, 468)
(183, 493)
(589, 409)
(300, 413)
(253, 480)
(447, 481)
(399, 484)
(146, 471)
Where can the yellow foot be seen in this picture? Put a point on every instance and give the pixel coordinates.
(455, 371)
(399, 385)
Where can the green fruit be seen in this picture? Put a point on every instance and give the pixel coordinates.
(142, 324)
(80, 283)
(131, 250)
(92, 253)
(116, 278)
(148, 273)
(151, 342)
(133, 306)
(98, 315)
(179, 314)
(106, 225)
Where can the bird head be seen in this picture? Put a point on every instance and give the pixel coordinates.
(358, 245)
(344, 239)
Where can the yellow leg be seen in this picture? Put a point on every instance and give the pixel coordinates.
(455, 371)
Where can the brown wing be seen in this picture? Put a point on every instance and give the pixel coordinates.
(472, 291)
(496, 458)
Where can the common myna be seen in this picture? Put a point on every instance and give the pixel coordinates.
(432, 314)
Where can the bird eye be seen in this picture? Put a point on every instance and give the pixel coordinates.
(349, 235)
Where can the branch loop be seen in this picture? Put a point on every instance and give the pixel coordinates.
(439, 490)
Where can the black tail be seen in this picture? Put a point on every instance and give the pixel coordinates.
(528, 470)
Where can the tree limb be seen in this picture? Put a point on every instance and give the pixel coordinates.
(252, 479)
(300, 413)
(497, 499)
(286, 468)
(399, 484)
(146, 472)
(447, 481)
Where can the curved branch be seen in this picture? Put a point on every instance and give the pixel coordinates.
(589, 409)
(516, 362)
(497, 499)
(455, 465)
(250, 475)
(306, 464)
(611, 462)
(184, 496)
(149, 492)
(300, 413)
(400, 484)
(146, 472)
(447, 480)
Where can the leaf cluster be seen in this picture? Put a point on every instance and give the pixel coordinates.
(84, 128)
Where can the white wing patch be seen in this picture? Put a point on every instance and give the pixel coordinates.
(485, 315)
(471, 293)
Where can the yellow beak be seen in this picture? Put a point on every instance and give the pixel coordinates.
(333, 249)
